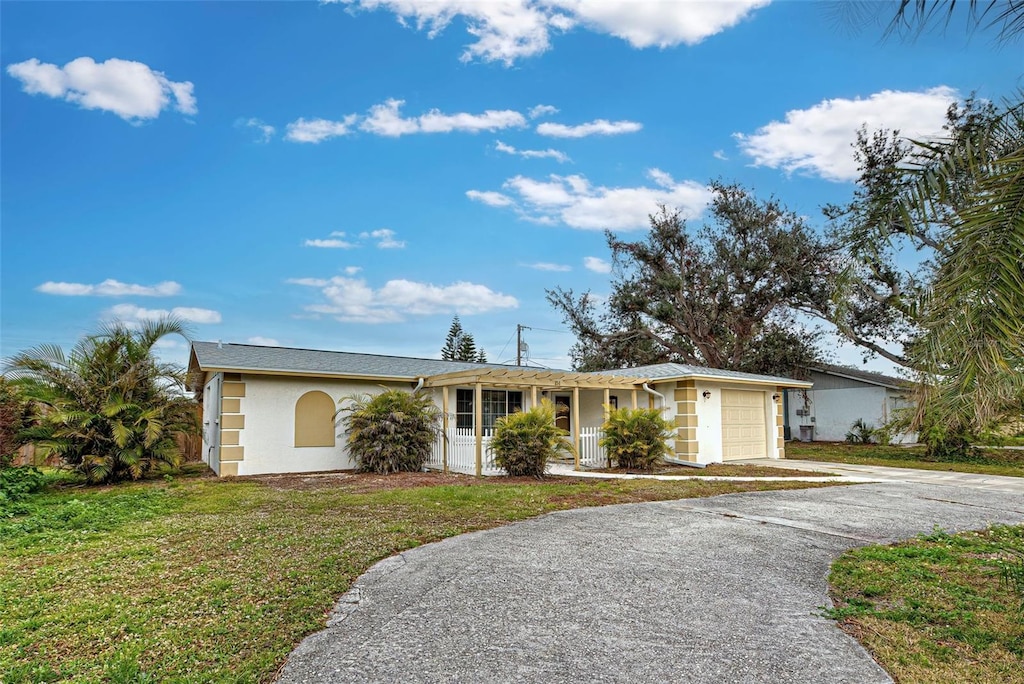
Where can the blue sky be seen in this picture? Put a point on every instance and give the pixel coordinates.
(349, 175)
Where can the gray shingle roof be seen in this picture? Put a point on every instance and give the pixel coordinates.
(253, 358)
(668, 371)
(247, 357)
(863, 375)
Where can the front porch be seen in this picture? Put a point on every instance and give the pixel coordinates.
(462, 444)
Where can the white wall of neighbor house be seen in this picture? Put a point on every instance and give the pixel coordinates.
(832, 412)
(211, 422)
(709, 419)
(268, 439)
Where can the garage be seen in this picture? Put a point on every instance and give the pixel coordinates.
(744, 432)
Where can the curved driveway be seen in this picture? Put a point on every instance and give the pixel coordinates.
(723, 589)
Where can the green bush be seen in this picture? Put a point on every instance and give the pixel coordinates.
(860, 432)
(635, 438)
(18, 483)
(525, 441)
(390, 432)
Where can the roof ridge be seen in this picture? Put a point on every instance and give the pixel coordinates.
(220, 345)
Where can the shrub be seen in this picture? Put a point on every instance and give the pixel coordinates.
(860, 432)
(525, 441)
(635, 438)
(18, 483)
(15, 418)
(945, 443)
(392, 431)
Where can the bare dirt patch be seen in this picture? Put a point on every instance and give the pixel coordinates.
(361, 483)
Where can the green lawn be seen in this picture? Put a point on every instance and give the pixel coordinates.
(199, 579)
(937, 609)
(985, 461)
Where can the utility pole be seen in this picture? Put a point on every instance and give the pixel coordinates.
(519, 342)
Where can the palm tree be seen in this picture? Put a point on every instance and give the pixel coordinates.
(110, 410)
(971, 352)
(915, 16)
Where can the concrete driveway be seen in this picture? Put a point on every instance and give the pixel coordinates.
(723, 589)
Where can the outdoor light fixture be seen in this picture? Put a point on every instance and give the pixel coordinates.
(707, 394)
(776, 397)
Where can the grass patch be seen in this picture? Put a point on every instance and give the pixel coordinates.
(984, 461)
(198, 580)
(938, 608)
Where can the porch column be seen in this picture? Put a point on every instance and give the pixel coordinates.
(533, 396)
(478, 423)
(635, 405)
(607, 414)
(444, 427)
(576, 424)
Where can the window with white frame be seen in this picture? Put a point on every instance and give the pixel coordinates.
(496, 403)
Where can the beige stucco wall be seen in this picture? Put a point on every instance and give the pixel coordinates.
(268, 440)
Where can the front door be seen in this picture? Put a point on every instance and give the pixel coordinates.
(563, 409)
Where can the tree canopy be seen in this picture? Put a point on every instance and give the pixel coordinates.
(722, 296)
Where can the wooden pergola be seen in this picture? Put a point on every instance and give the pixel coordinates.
(537, 380)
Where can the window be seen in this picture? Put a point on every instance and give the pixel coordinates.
(496, 403)
(314, 420)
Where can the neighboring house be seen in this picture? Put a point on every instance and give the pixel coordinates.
(272, 409)
(840, 396)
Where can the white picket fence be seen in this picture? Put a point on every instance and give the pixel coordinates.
(592, 454)
(462, 451)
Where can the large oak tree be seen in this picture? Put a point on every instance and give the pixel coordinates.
(722, 295)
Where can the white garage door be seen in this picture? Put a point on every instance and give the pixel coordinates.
(743, 425)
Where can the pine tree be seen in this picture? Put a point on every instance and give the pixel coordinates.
(453, 342)
(459, 345)
(467, 348)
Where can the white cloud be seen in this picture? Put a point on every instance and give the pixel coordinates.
(352, 270)
(596, 127)
(490, 198)
(130, 313)
(308, 282)
(656, 23)
(385, 238)
(597, 265)
(129, 89)
(818, 140)
(720, 155)
(547, 266)
(330, 243)
(542, 110)
(265, 130)
(110, 288)
(385, 119)
(572, 200)
(317, 130)
(549, 153)
(263, 341)
(507, 30)
(352, 300)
